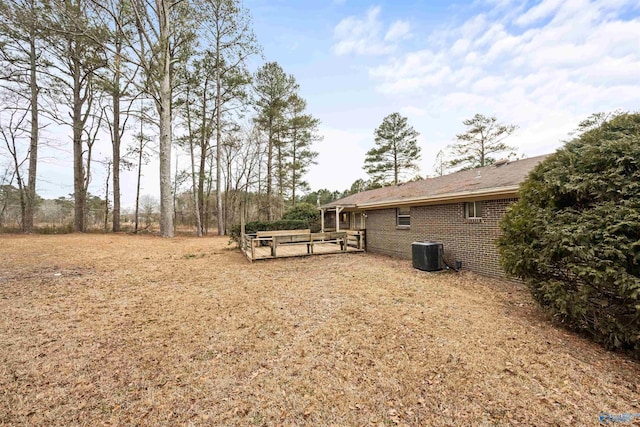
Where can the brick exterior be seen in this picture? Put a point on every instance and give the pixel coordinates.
(471, 241)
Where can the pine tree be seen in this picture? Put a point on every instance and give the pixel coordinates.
(273, 87)
(303, 132)
(484, 136)
(396, 151)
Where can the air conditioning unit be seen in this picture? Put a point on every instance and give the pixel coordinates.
(427, 256)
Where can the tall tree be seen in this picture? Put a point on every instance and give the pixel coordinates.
(21, 55)
(190, 141)
(396, 151)
(140, 152)
(273, 88)
(162, 42)
(233, 41)
(118, 80)
(166, 30)
(74, 43)
(303, 132)
(200, 114)
(484, 136)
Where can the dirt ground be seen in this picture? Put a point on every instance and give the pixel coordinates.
(132, 330)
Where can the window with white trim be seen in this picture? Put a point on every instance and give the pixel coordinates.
(403, 217)
(473, 210)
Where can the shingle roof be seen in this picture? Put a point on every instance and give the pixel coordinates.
(498, 179)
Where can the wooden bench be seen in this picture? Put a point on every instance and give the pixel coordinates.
(338, 237)
(286, 237)
(282, 232)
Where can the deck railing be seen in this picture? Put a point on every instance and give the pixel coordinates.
(266, 244)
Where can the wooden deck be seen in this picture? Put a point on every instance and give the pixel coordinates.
(296, 243)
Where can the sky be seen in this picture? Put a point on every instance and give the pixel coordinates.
(543, 66)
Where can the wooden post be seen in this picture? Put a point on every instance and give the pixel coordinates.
(338, 210)
(242, 225)
(322, 220)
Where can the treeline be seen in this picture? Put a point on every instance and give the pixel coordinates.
(53, 215)
(56, 215)
(156, 77)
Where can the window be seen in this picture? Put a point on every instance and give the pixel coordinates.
(403, 217)
(473, 210)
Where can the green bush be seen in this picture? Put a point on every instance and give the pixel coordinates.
(574, 234)
(303, 212)
(301, 216)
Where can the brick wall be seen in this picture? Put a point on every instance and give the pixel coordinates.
(468, 240)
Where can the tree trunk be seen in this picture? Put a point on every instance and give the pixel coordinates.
(116, 142)
(139, 177)
(194, 188)
(106, 200)
(20, 181)
(33, 146)
(269, 171)
(294, 160)
(220, 216)
(175, 192)
(196, 204)
(80, 199)
(204, 152)
(164, 107)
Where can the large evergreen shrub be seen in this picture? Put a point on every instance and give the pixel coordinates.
(303, 212)
(574, 234)
(255, 226)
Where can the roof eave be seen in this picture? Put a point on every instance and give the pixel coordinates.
(502, 192)
(335, 205)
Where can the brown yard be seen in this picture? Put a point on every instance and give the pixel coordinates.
(125, 330)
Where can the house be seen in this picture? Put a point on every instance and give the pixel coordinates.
(462, 210)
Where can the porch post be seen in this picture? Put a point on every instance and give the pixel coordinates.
(338, 210)
(321, 220)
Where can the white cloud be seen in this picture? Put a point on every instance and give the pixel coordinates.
(573, 58)
(363, 36)
(399, 30)
(538, 12)
(460, 47)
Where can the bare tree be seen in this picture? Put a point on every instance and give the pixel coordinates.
(108, 165)
(161, 42)
(164, 28)
(440, 164)
(22, 59)
(140, 152)
(189, 140)
(118, 80)
(13, 118)
(233, 41)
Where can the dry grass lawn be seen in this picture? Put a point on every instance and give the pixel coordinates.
(126, 330)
